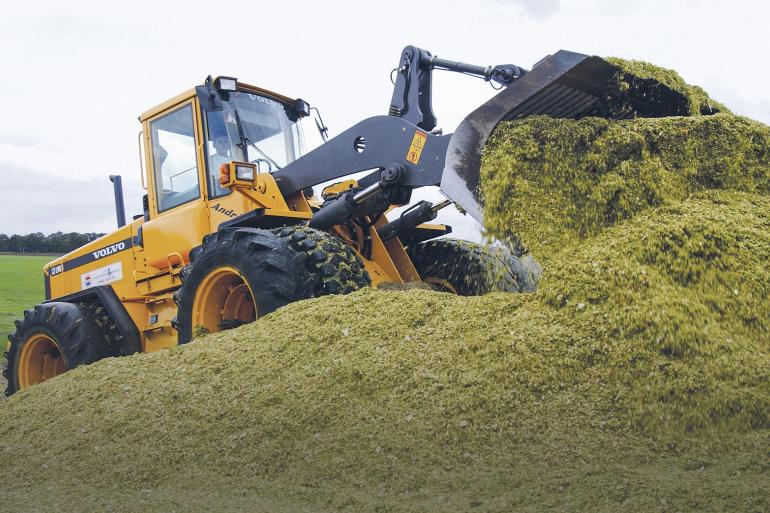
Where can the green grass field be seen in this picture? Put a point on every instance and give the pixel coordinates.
(21, 287)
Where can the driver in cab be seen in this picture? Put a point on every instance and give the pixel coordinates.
(222, 155)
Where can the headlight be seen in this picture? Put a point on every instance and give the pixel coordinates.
(244, 172)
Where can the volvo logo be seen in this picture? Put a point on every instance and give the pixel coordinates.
(101, 253)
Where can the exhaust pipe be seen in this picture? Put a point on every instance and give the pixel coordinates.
(120, 210)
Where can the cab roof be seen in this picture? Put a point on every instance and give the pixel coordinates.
(190, 93)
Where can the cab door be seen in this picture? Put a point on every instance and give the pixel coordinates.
(177, 204)
(224, 204)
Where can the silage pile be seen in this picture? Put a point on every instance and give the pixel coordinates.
(635, 379)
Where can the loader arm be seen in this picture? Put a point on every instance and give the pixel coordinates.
(412, 103)
(412, 89)
(404, 154)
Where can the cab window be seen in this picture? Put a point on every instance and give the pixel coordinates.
(220, 151)
(174, 159)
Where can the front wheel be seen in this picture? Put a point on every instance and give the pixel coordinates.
(242, 274)
(470, 269)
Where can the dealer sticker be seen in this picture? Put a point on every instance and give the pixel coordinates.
(101, 276)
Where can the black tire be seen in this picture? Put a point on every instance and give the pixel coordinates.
(116, 343)
(470, 269)
(279, 266)
(77, 340)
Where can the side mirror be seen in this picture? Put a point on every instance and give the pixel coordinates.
(302, 107)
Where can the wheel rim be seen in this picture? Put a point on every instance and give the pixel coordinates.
(41, 358)
(223, 300)
(442, 285)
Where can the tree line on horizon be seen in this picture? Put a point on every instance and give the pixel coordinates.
(57, 242)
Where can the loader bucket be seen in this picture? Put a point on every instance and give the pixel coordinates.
(563, 85)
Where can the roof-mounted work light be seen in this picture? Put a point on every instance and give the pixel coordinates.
(226, 83)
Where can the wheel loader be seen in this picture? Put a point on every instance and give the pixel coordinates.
(231, 229)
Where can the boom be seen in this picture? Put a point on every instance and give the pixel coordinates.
(565, 85)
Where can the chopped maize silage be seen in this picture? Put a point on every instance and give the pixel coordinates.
(660, 227)
(633, 72)
(376, 401)
(634, 379)
(551, 181)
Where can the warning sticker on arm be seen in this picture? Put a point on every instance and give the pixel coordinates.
(415, 150)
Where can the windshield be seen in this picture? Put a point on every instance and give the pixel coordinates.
(251, 128)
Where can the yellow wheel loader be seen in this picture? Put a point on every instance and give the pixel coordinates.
(231, 230)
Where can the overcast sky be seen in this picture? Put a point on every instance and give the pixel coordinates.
(77, 74)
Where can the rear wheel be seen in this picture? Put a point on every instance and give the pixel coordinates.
(470, 269)
(52, 339)
(241, 274)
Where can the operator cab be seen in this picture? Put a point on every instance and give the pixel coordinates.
(187, 140)
(243, 124)
(250, 128)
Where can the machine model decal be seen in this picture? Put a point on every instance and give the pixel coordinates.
(95, 255)
(57, 269)
(101, 276)
(222, 210)
(415, 150)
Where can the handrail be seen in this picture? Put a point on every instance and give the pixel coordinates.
(141, 161)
